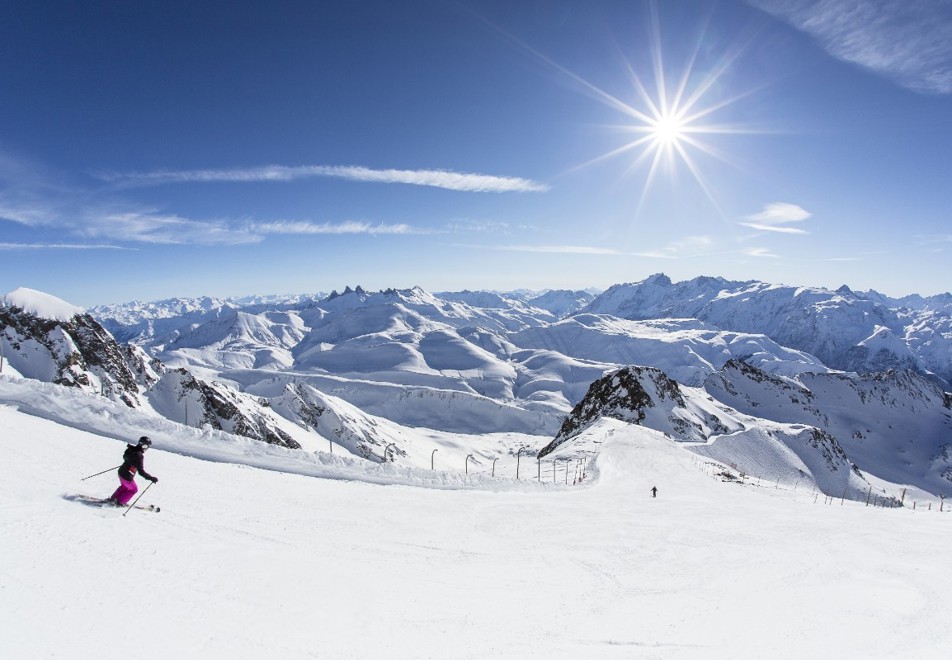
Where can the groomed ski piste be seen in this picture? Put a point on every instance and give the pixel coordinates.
(261, 551)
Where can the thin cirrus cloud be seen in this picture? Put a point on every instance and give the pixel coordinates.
(775, 217)
(688, 246)
(907, 41)
(349, 227)
(59, 246)
(759, 253)
(170, 229)
(163, 229)
(152, 226)
(449, 180)
(29, 214)
(557, 249)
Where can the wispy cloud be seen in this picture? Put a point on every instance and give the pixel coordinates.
(77, 214)
(686, 247)
(350, 227)
(558, 249)
(30, 214)
(934, 238)
(160, 228)
(118, 222)
(480, 226)
(907, 41)
(775, 216)
(759, 253)
(683, 247)
(59, 246)
(449, 180)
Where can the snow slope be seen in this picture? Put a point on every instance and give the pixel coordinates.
(251, 563)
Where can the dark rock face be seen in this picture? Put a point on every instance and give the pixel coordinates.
(221, 410)
(621, 395)
(75, 353)
(81, 353)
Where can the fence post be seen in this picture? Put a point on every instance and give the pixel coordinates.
(432, 454)
(902, 500)
(539, 464)
(468, 456)
(941, 501)
(518, 456)
(494, 466)
(868, 493)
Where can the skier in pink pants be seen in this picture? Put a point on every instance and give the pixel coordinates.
(131, 464)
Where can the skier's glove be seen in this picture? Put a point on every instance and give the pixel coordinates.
(155, 480)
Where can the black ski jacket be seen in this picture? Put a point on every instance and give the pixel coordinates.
(132, 463)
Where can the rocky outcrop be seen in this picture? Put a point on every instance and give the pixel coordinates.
(179, 396)
(74, 352)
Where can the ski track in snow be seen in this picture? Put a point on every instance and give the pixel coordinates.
(250, 563)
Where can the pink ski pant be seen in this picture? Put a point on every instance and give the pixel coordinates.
(125, 491)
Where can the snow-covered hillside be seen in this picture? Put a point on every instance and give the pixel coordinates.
(45, 338)
(896, 425)
(845, 330)
(248, 563)
(356, 370)
(783, 450)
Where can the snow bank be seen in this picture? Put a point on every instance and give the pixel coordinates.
(103, 417)
(41, 304)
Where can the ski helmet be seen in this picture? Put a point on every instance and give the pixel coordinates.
(144, 441)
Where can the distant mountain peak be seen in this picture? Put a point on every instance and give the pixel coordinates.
(658, 279)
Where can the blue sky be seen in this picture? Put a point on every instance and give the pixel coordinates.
(159, 149)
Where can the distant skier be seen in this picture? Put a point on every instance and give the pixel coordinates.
(654, 491)
(131, 464)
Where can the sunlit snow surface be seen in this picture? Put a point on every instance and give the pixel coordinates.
(41, 304)
(250, 563)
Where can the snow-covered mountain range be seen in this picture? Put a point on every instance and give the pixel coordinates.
(840, 389)
(862, 332)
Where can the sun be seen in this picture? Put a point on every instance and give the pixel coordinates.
(671, 121)
(676, 122)
(667, 130)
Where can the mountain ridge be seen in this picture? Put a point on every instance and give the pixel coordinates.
(355, 367)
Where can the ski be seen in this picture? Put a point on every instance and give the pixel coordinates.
(105, 503)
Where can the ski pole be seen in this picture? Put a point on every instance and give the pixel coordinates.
(103, 472)
(129, 508)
